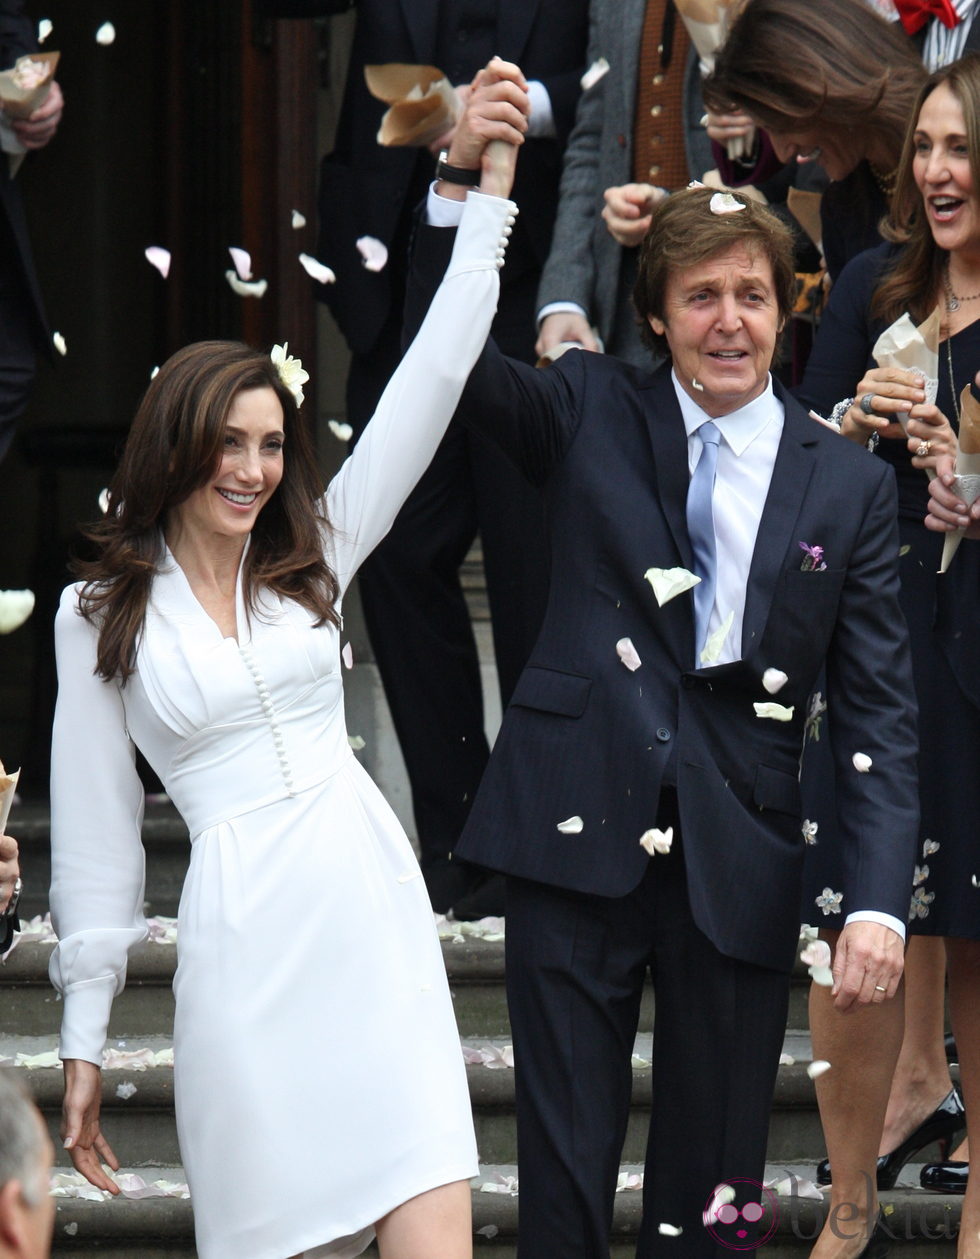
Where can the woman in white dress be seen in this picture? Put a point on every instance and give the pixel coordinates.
(320, 1090)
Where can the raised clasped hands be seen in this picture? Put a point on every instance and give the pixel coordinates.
(80, 1131)
(497, 109)
(868, 964)
(628, 211)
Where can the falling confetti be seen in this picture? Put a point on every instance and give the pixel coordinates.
(316, 270)
(126, 1090)
(669, 1230)
(342, 432)
(158, 257)
(716, 641)
(374, 253)
(627, 653)
(667, 583)
(656, 841)
(861, 762)
(571, 826)
(356, 742)
(347, 655)
(774, 680)
(59, 343)
(243, 288)
(243, 262)
(44, 29)
(297, 220)
(15, 607)
(775, 712)
(106, 34)
(598, 70)
(816, 1069)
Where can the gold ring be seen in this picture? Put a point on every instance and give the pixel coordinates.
(878, 988)
(923, 449)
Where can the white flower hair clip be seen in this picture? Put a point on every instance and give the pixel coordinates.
(291, 371)
(725, 203)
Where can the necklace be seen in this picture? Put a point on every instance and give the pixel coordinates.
(952, 301)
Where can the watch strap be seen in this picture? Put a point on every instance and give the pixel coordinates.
(456, 174)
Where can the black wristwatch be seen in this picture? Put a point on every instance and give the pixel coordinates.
(456, 174)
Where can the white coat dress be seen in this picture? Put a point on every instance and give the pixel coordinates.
(318, 1075)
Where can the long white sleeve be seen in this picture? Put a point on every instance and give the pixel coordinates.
(419, 401)
(97, 860)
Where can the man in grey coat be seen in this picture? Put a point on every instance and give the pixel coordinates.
(611, 171)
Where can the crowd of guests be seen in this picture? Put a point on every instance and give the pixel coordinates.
(620, 806)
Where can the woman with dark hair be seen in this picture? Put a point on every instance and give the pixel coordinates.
(830, 82)
(933, 258)
(207, 632)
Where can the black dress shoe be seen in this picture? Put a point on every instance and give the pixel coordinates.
(484, 900)
(948, 1119)
(945, 1177)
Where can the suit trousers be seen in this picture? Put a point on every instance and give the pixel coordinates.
(413, 601)
(576, 966)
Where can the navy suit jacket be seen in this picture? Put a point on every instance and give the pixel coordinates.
(583, 736)
(366, 189)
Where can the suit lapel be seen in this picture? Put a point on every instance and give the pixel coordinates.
(777, 529)
(514, 22)
(421, 19)
(668, 440)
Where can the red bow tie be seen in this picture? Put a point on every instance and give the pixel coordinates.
(915, 13)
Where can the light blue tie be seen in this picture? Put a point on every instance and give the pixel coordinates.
(701, 530)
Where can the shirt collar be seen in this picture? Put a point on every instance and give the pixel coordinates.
(739, 428)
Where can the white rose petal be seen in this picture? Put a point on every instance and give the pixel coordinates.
(374, 253)
(243, 262)
(722, 1196)
(316, 270)
(297, 220)
(774, 680)
(667, 583)
(342, 432)
(106, 34)
(861, 762)
(716, 641)
(787, 1060)
(158, 257)
(725, 203)
(655, 841)
(59, 343)
(154, 372)
(598, 70)
(488, 1230)
(44, 29)
(243, 288)
(126, 1090)
(776, 712)
(973, 880)
(356, 742)
(104, 501)
(347, 655)
(72, 1228)
(571, 826)
(15, 607)
(817, 1068)
(627, 653)
(669, 1230)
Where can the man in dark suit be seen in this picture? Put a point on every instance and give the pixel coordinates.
(650, 718)
(23, 329)
(413, 601)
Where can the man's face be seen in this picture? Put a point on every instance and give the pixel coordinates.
(721, 321)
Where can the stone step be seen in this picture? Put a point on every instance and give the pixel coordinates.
(475, 967)
(922, 1225)
(138, 1103)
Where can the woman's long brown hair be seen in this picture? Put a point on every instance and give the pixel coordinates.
(174, 447)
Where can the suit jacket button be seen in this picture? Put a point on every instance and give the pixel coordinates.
(663, 734)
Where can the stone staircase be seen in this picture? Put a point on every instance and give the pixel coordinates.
(138, 1103)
